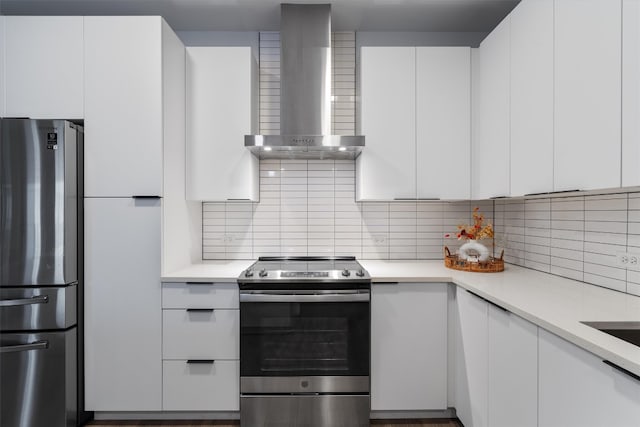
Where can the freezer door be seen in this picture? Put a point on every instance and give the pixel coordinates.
(25, 309)
(38, 203)
(38, 379)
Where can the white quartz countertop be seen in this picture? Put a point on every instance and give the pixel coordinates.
(551, 302)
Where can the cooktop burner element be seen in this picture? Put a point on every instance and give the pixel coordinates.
(302, 270)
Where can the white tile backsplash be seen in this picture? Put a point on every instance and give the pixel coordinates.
(309, 208)
(576, 237)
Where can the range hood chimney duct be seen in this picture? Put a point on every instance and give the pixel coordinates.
(305, 69)
(305, 91)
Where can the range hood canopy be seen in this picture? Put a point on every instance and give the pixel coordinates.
(305, 91)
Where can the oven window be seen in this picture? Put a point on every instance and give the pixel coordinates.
(296, 339)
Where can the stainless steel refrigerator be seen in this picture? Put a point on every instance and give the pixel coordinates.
(41, 357)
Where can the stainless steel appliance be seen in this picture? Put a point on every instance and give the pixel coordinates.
(41, 381)
(305, 91)
(305, 343)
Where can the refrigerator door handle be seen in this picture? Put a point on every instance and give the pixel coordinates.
(43, 299)
(36, 345)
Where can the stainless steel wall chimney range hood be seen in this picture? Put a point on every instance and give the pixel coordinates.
(305, 91)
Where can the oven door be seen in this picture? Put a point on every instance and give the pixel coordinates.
(305, 335)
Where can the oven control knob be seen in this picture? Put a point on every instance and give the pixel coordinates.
(263, 273)
(248, 273)
(360, 273)
(346, 273)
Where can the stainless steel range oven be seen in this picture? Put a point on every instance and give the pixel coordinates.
(304, 343)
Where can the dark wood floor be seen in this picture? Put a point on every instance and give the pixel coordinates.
(193, 423)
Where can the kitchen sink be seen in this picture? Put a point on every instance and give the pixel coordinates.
(627, 331)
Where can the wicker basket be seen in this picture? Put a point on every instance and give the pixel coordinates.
(493, 265)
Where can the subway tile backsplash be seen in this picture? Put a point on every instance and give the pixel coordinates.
(577, 237)
(308, 207)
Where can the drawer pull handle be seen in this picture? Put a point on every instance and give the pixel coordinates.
(499, 307)
(200, 361)
(624, 371)
(200, 283)
(200, 310)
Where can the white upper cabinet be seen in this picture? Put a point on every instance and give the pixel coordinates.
(577, 389)
(587, 131)
(531, 105)
(512, 395)
(386, 169)
(409, 347)
(220, 112)
(124, 105)
(490, 149)
(630, 93)
(44, 67)
(443, 121)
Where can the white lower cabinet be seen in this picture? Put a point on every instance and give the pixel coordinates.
(408, 346)
(512, 396)
(199, 333)
(471, 359)
(200, 347)
(200, 385)
(511, 373)
(196, 294)
(496, 375)
(123, 363)
(578, 390)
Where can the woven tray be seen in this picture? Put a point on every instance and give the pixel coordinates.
(493, 265)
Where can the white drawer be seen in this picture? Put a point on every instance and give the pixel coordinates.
(200, 334)
(200, 386)
(200, 295)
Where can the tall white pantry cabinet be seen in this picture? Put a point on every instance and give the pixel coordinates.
(133, 66)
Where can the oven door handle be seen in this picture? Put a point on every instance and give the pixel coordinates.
(267, 297)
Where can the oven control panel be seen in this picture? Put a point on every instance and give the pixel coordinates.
(303, 274)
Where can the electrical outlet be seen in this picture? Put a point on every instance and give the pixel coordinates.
(634, 262)
(379, 239)
(622, 259)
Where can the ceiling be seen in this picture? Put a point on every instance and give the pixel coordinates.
(264, 15)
